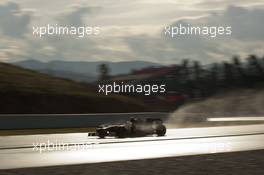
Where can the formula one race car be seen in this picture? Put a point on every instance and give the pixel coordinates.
(133, 128)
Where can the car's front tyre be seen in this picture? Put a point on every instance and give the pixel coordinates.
(101, 134)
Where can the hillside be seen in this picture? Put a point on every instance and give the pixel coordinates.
(83, 71)
(26, 91)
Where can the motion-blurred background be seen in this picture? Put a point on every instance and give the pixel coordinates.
(59, 74)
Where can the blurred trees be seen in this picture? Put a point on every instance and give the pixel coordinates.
(197, 81)
(103, 72)
(194, 80)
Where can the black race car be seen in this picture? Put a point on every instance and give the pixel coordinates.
(133, 128)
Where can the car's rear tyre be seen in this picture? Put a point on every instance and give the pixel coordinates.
(161, 130)
(121, 133)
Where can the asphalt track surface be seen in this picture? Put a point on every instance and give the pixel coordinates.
(78, 148)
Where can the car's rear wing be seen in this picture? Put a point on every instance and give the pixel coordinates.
(153, 120)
